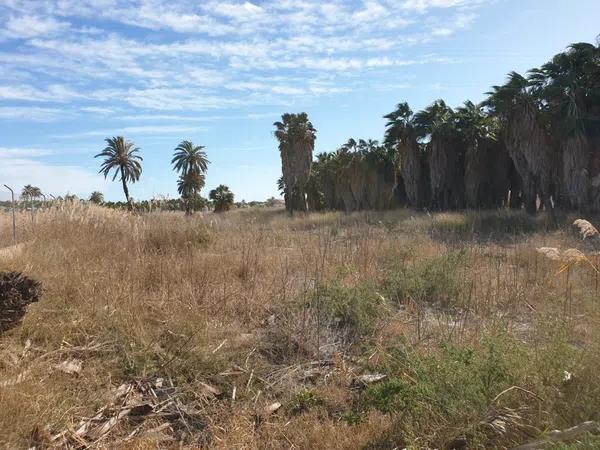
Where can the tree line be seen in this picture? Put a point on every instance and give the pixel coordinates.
(533, 143)
(190, 162)
(123, 160)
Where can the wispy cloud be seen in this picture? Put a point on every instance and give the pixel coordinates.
(22, 166)
(31, 113)
(26, 27)
(19, 153)
(166, 60)
(148, 130)
(219, 48)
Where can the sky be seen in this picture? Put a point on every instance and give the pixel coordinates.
(219, 73)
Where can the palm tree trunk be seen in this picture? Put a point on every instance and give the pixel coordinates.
(411, 169)
(126, 190)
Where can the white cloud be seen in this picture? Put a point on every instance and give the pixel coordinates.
(54, 92)
(51, 179)
(237, 11)
(31, 113)
(99, 110)
(424, 5)
(17, 152)
(147, 130)
(287, 90)
(372, 10)
(26, 27)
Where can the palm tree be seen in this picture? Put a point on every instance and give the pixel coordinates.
(97, 197)
(189, 187)
(222, 198)
(569, 86)
(191, 163)
(123, 157)
(525, 136)
(402, 134)
(436, 124)
(487, 164)
(189, 158)
(296, 136)
(31, 192)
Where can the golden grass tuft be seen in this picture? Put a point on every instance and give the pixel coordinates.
(586, 229)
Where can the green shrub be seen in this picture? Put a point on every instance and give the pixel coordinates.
(354, 309)
(305, 400)
(431, 281)
(451, 380)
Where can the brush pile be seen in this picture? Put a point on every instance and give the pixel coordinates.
(16, 292)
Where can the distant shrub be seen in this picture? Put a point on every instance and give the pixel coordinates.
(486, 224)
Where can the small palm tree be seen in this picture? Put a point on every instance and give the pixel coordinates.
(123, 157)
(97, 198)
(189, 158)
(189, 187)
(31, 192)
(222, 198)
(191, 163)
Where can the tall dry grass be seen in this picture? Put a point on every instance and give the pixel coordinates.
(453, 309)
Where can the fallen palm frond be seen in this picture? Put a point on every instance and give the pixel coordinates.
(586, 229)
(135, 404)
(499, 426)
(567, 435)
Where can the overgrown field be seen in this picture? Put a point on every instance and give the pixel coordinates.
(371, 330)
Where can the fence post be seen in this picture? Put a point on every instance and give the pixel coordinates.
(12, 193)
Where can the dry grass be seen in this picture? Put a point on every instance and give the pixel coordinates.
(454, 309)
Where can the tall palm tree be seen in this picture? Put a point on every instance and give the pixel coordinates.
(324, 172)
(569, 86)
(525, 136)
(402, 134)
(296, 136)
(123, 157)
(487, 163)
(97, 197)
(436, 124)
(222, 198)
(191, 163)
(189, 187)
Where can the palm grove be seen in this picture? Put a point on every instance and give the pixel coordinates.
(534, 143)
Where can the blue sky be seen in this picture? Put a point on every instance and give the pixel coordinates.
(219, 73)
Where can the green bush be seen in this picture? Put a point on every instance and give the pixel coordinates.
(431, 281)
(452, 381)
(354, 309)
(305, 400)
